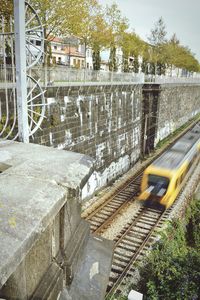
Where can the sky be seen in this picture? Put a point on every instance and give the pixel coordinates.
(180, 16)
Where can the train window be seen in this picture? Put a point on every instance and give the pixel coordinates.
(159, 182)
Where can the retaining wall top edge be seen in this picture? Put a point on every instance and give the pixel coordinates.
(35, 183)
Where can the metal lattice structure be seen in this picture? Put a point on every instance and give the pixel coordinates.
(22, 102)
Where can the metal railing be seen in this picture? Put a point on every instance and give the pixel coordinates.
(161, 79)
(8, 104)
(63, 76)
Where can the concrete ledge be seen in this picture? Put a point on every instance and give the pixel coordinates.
(37, 183)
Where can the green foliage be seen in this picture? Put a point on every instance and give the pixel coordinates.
(8, 127)
(106, 28)
(193, 224)
(172, 270)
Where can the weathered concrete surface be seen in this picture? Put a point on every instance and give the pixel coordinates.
(101, 121)
(107, 122)
(91, 278)
(60, 167)
(177, 105)
(37, 184)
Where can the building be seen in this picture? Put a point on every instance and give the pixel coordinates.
(58, 51)
(70, 52)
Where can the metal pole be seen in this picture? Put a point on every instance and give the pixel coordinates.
(20, 58)
(145, 134)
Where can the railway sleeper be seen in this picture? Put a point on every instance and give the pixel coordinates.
(144, 225)
(93, 227)
(113, 276)
(112, 206)
(140, 229)
(131, 243)
(95, 223)
(98, 219)
(127, 254)
(125, 247)
(119, 199)
(104, 214)
(137, 234)
(120, 258)
(135, 240)
(117, 270)
(108, 209)
(149, 219)
(120, 263)
(152, 216)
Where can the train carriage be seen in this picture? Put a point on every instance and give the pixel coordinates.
(162, 180)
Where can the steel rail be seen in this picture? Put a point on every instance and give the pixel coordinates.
(138, 251)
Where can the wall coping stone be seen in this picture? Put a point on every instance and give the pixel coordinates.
(33, 190)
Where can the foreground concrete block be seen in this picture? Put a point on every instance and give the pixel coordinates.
(90, 280)
(39, 216)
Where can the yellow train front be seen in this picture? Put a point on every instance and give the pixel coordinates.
(163, 179)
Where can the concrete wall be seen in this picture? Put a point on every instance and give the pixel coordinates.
(100, 121)
(42, 236)
(45, 245)
(108, 122)
(177, 104)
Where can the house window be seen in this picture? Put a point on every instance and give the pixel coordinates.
(74, 62)
(87, 65)
(55, 47)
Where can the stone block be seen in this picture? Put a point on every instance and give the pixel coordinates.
(38, 260)
(74, 249)
(15, 286)
(91, 278)
(50, 285)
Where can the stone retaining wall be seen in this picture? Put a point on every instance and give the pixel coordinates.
(103, 122)
(114, 124)
(42, 235)
(177, 105)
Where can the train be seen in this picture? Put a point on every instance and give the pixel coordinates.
(163, 179)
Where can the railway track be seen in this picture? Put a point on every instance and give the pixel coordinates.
(131, 244)
(138, 233)
(105, 213)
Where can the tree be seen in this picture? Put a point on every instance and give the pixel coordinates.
(131, 45)
(98, 38)
(63, 17)
(6, 9)
(117, 27)
(157, 41)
